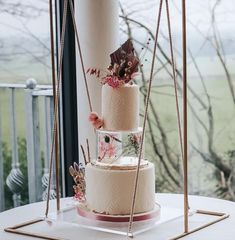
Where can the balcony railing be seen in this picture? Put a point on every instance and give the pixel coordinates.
(38, 109)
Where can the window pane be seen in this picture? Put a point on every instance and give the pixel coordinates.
(211, 95)
(24, 39)
(26, 114)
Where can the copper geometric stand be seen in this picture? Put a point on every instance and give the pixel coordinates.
(17, 228)
(221, 216)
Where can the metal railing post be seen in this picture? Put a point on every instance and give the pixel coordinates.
(15, 179)
(33, 143)
(33, 95)
(48, 109)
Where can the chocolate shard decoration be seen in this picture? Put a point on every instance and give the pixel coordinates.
(121, 52)
(124, 62)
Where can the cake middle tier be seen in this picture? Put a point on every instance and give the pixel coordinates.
(111, 191)
(113, 147)
(120, 107)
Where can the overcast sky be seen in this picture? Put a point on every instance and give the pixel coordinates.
(198, 12)
(36, 22)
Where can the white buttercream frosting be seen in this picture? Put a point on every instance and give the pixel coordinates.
(111, 191)
(120, 107)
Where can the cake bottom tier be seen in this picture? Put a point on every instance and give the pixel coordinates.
(111, 191)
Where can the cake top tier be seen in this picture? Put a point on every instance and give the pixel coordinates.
(120, 96)
(120, 108)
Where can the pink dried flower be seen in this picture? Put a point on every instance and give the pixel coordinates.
(93, 116)
(98, 123)
(113, 81)
(95, 120)
(133, 75)
(79, 194)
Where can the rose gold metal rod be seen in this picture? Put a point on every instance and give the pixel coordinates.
(174, 79)
(53, 70)
(55, 117)
(80, 53)
(81, 56)
(185, 117)
(130, 232)
(200, 228)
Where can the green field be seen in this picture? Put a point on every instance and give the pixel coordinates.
(200, 173)
(164, 102)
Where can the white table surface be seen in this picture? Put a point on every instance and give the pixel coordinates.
(224, 230)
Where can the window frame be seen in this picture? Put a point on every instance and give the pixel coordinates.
(68, 102)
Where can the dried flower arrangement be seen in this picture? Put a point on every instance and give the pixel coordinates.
(95, 120)
(123, 67)
(78, 174)
(77, 171)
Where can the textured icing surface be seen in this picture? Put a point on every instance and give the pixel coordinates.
(120, 107)
(111, 191)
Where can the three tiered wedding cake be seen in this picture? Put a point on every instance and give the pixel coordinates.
(110, 177)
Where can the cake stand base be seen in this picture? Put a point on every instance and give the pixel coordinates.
(82, 217)
(67, 223)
